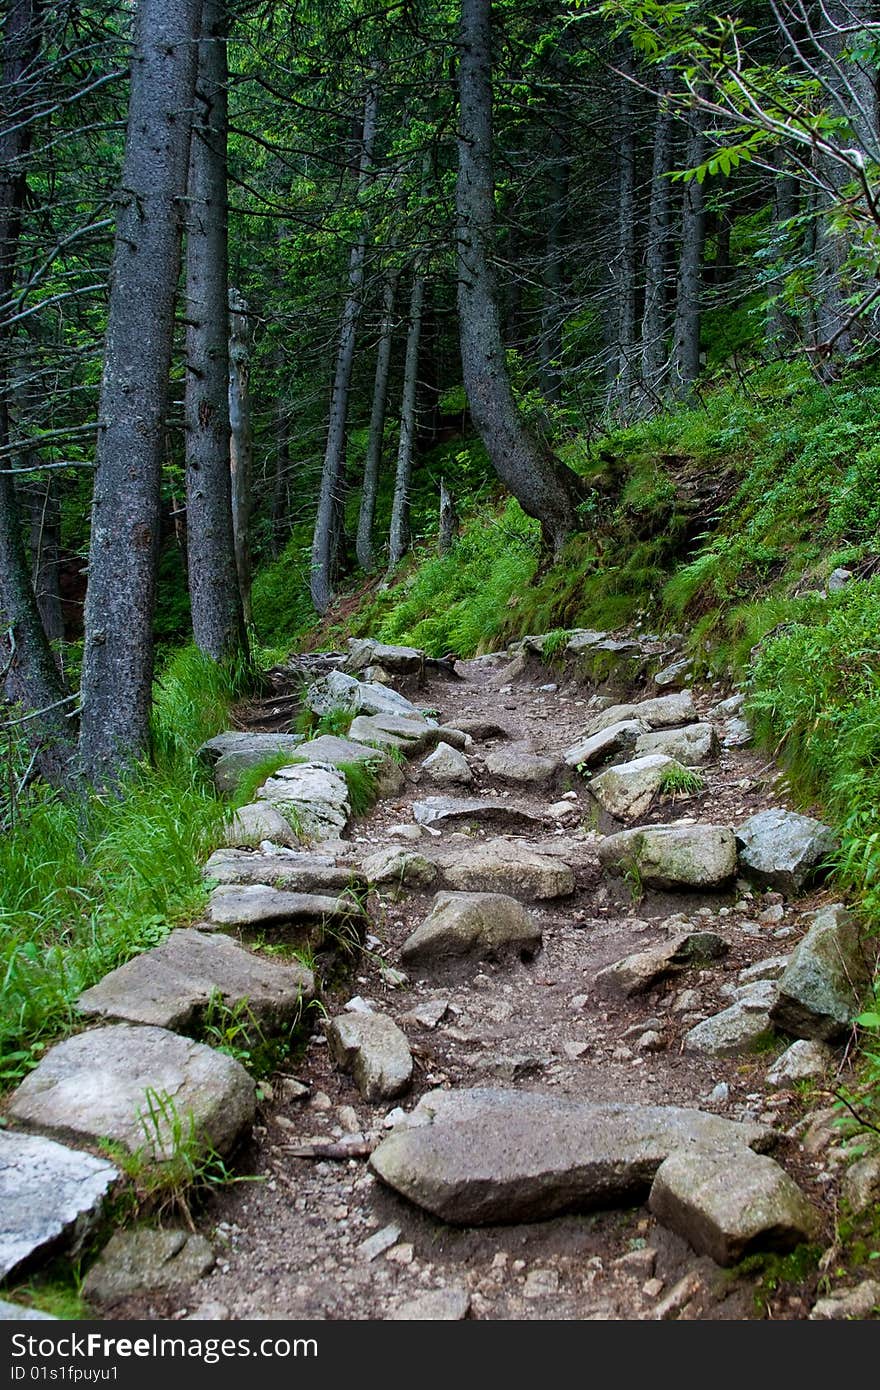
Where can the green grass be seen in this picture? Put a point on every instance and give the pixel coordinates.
(88, 880)
(680, 781)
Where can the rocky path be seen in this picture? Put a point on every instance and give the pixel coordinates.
(577, 1069)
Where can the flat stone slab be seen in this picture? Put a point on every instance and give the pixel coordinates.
(627, 790)
(312, 796)
(510, 866)
(480, 728)
(293, 873)
(673, 856)
(479, 925)
(16, 1312)
(826, 978)
(663, 712)
(440, 811)
(256, 747)
(598, 748)
(435, 1305)
(729, 1210)
(517, 762)
(255, 905)
(128, 1084)
(784, 850)
(484, 1156)
(172, 985)
(374, 1050)
(694, 745)
(410, 736)
(50, 1196)
(141, 1260)
(637, 973)
(332, 749)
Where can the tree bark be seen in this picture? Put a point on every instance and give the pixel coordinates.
(399, 534)
(325, 539)
(372, 463)
(45, 546)
(544, 488)
(448, 521)
(623, 267)
(31, 674)
(553, 276)
(655, 315)
(685, 362)
(241, 448)
(118, 658)
(215, 597)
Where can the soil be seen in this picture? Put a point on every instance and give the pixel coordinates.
(288, 1233)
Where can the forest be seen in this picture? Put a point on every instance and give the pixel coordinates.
(520, 354)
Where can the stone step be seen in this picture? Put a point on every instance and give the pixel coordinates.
(145, 1088)
(673, 856)
(468, 926)
(51, 1197)
(256, 906)
(172, 985)
(441, 812)
(313, 797)
(293, 872)
(482, 1156)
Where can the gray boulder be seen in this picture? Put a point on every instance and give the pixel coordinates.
(50, 1197)
(142, 1087)
(172, 985)
(635, 974)
(511, 866)
(447, 766)
(838, 579)
(861, 1183)
(744, 1027)
(442, 812)
(471, 925)
(862, 1301)
(673, 856)
(663, 712)
(627, 790)
(137, 1261)
(17, 1312)
(339, 691)
(480, 728)
(256, 822)
(825, 980)
(410, 735)
(482, 1156)
(675, 674)
(373, 1049)
(736, 733)
(784, 850)
(398, 661)
(728, 1210)
(517, 762)
(693, 744)
(598, 748)
(336, 752)
(435, 1305)
(803, 1061)
(399, 868)
(313, 796)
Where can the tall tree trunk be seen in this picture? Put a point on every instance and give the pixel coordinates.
(241, 447)
(783, 327)
(655, 315)
(399, 534)
(685, 362)
(553, 275)
(448, 521)
(623, 266)
(325, 540)
(372, 463)
(544, 488)
(31, 675)
(215, 597)
(118, 658)
(45, 509)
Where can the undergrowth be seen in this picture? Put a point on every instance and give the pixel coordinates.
(88, 880)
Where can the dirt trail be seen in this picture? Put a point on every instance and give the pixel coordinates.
(291, 1243)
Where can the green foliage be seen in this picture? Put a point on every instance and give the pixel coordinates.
(555, 643)
(337, 720)
(680, 781)
(280, 595)
(235, 1030)
(362, 780)
(174, 1165)
(253, 778)
(89, 879)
